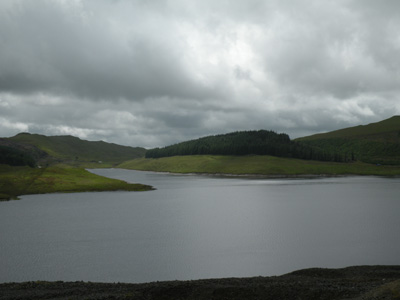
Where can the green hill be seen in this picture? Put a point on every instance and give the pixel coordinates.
(261, 142)
(377, 143)
(61, 159)
(373, 143)
(72, 150)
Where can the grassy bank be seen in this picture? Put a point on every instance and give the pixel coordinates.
(16, 181)
(263, 165)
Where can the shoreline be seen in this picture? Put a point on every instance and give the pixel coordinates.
(142, 187)
(267, 166)
(20, 181)
(356, 282)
(262, 176)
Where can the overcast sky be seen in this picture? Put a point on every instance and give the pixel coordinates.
(153, 73)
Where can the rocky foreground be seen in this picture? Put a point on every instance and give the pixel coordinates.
(361, 282)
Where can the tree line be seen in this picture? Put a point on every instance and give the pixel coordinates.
(261, 142)
(15, 157)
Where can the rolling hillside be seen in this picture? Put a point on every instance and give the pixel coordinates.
(72, 150)
(61, 160)
(373, 143)
(261, 142)
(377, 143)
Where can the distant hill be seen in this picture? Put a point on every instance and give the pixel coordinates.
(71, 150)
(20, 154)
(15, 157)
(261, 142)
(374, 143)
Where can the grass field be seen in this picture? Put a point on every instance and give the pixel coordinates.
(263, 165)
(16, 181)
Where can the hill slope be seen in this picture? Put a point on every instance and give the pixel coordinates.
(386, 130)
(15, 157)
(73, 150)
(374, 143)
(261, 142)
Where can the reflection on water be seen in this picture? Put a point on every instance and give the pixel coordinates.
(200, 227)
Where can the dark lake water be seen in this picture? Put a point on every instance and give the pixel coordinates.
(195, 227)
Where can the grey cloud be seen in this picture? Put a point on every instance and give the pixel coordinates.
(50, 47)
(334, 51)
(151, 73)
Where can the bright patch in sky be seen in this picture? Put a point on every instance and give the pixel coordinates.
(153, 73)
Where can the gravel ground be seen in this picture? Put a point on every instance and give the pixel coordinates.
(359, 282)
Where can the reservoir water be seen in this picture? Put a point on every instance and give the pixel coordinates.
(195, 227)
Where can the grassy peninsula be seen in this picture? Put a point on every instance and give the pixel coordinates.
(23, 180)
(38, 164)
